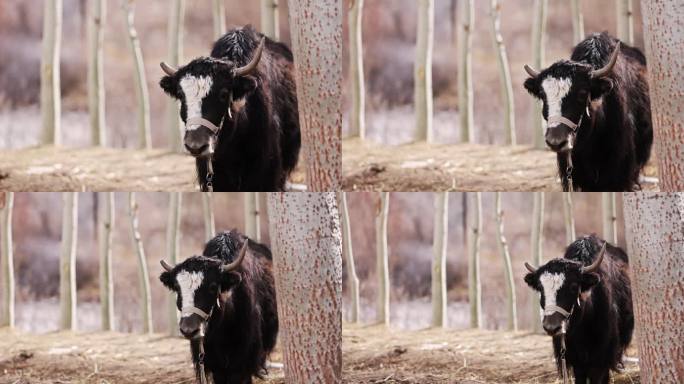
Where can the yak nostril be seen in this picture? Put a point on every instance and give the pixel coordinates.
(196, 148)
(556, 144)
(188, 331)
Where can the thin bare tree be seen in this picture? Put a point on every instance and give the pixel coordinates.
(175, 56)
(537, 242)
(504, 72)
(422, 70)
(307, 261)
(473, 242)
(609, 216)
(577, 21)
(173, 235)
(7, 259)
(219, 16)
(348, 253)
(141, 92)
(511, 301)
(654, 226)
(569, 217)
(67, 262)
(439, 256)
(357, 120)
(316, 31)
(50, 95)
(105, 237)
(252, 215)
(270, 25)
(625, 21)
(143, 273)
(465, 70)
(208, 214)
(538, 47)
(382, 311)
(97, 17)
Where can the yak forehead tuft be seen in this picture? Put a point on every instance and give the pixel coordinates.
(188, 283)
(195, 89)
(555, 90)
(551, 283)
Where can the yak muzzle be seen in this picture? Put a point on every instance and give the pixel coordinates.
(559, 137)
(192, 327)
(199, 142)
(553, 324)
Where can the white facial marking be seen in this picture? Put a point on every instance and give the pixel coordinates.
(188, 283)
(556, 90)
(195, 90)
(551, 283)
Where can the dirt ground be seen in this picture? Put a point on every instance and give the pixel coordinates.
(371, 354)
(456, 167)
(99, 169)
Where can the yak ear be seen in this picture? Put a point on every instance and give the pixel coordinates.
(531, 280)
(589, 280)
(600, 87)
(167, 280)
(532, 87)
(230, 279)
(244, 86)
(170, 86)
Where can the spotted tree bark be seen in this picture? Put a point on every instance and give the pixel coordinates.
(654, 223)
(664, 38)
(96, 91)
(439, 256)
(270, 25)
(50, 95)
(7, 259)
(537, 242)
(465, 70)
(175, 55)
(357, 120)
(382, 308)
(173, 235)
(307, 245)
(316, 30)
(352, 279)
(538, 46)
(511, 302)
(67, 262)
(422, 70)
(105, 236)
(143, 272)
(504, 72)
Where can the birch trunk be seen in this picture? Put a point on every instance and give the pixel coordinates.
(175, 55)
(105, 237)
(352, 279)
(382, 311)
(609, 217)
(316, 31)
(474, 233)
(307, 261)
(219, 16)
(577, 21)
(270, 25)
(422, 72)
(173, 235)
(96, 90)
(538, 46)
(357, 120)
(67, 262)
(504, 73)
(537, 242)
(439, 256)
(143, 273)
(654, 226)
(465, 71)
(511, 302)
(208, 214)
(664, 49)
(569, 218)
(50, 95)
(141, 92)
(252, 221)
(7, 261)
(625, 21)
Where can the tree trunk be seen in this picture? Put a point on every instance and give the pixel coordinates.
(654, 228)
(141, 92)
(422, 72)
(538, 46)
(512, 310)
(382, 312)
(307, 260)
(96, 90)
(439, 256)
(219, 16)
(465, 71)
(7, 261)
(609, 217)
(67, 262)
(504, 73)
(316, 31)
(625, 21)
(270, 25)
(105, 235)
(569, 216)
(175, 55)
(474, 285)
(173, 235)
(143, 274)
(664, 49)
(208, 214)
(577, 21)
(50, 95)
(252, 221)
(537, 242)
(352, 279)
(357, 120)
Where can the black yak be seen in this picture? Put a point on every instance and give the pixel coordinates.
(240, 111)
(598, 114)
(227, 301)
(586, 295)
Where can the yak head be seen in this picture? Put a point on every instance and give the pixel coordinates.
(562, 284)
(210, 91)
(566, 89)
(201, 283)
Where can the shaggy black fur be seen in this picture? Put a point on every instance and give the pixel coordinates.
(614, 144)
(242, 332)
(259, 147)
(600, 327)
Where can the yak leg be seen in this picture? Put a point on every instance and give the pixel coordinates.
(580, 375)
(599, 376)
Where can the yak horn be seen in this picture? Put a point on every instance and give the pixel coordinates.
(169, 70)
(530, 71)
(608, 67)
(166, 266)
(530, 268)
(236, 263)
(252, 65)
(595, 265)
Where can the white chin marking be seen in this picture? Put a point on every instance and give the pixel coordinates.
(551, 283)
(188, 283)
(195, 90)
(556, 90)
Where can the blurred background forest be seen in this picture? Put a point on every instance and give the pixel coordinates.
(389, 33)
